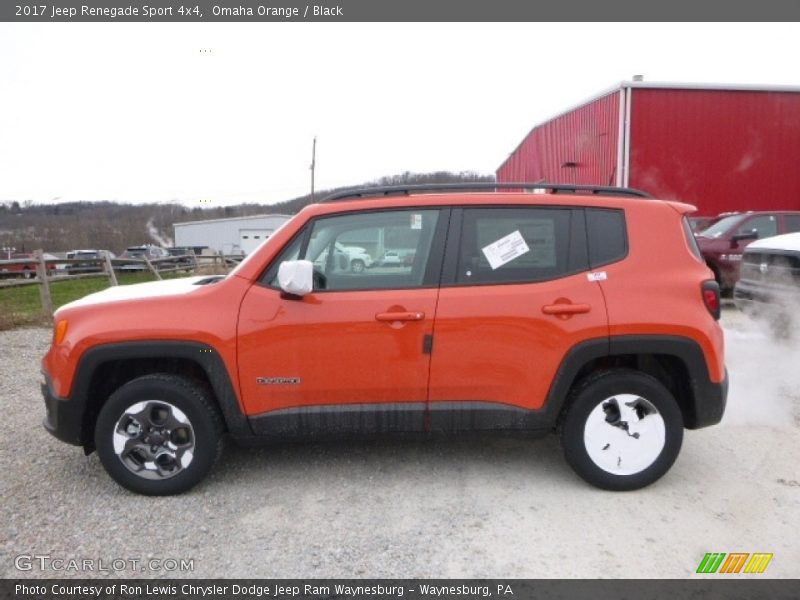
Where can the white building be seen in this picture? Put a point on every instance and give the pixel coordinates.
(238, 235)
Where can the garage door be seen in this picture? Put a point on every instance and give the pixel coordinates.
(249, 239)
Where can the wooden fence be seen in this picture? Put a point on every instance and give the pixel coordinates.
(42, 271)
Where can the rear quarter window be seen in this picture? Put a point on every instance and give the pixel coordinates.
(607, 236)
(691, 241)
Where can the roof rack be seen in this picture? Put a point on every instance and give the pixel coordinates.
(554, 188)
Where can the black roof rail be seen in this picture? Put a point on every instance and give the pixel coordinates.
(555, 188)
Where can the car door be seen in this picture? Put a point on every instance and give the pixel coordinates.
(516, 296)
(352, 353)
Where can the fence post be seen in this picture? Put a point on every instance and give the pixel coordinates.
(44, 284)
(112, 277)
(223, 262)
(151, 267)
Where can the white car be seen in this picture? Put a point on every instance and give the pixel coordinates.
(359, 258)
(769, 282)
(346, 258)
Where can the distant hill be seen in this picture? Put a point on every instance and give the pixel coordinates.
(114, 226)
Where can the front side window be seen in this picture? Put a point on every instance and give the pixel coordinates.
(514, 244)
(764, 226)
(371, 250)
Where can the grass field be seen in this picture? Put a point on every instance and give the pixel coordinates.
(23, 306)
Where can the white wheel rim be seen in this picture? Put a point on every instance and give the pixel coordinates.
(624, 434)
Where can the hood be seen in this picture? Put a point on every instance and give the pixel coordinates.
(787, 241)
(152, 289)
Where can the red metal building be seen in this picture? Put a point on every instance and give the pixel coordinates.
(719, 147)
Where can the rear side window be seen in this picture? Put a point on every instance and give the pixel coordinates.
(514, 245)
(691, 241)
(792, 223)
(607, 237)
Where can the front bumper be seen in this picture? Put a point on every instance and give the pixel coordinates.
(63, 418)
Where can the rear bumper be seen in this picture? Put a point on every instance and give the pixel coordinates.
(710, 401)
(63, 418)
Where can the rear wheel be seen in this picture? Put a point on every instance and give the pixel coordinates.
(622, 431)
(158, 434)
(357, 266)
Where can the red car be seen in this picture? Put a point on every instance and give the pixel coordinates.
(723, 243)
(27, 269)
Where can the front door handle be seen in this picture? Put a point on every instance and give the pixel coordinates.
(400, 316)
(565, 309)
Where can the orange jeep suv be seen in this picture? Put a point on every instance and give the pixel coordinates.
(526, 307)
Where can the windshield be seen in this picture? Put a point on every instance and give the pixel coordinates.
(721, 226)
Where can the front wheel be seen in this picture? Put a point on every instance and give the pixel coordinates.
(357, 266)
(158, 434)
(622, 430)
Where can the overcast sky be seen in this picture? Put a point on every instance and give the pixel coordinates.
(226, 113)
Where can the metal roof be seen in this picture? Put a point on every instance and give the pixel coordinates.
(664, 85)
(231, 219)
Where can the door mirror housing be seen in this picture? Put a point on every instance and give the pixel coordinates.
(745, 235)
(296, 277)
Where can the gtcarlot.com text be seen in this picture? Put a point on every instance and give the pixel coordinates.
(47, 562)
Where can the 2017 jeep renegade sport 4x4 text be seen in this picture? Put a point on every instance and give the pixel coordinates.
(586, 311)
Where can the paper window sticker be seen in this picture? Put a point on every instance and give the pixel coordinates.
(506, 249)
(416, 221)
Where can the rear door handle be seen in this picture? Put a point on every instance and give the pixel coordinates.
(565, 309)
(400, 316)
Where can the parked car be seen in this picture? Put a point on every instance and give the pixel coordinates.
(183, 257)
(391, 258)
(92, 264)
(359, 258)
(722, 244)
(140, 252)
(769, 286)
(25, 270)
(345, 258)
(530, 313)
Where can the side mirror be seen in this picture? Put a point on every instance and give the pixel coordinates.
(745, 235)
(296, 277)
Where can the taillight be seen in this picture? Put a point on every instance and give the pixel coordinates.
(711, 297)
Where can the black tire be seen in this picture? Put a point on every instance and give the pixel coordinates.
(357, 266)
(188, 419)
(584, 432)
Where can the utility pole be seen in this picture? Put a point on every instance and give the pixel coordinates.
(313, 164)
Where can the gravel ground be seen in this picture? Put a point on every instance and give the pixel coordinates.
(477, 507)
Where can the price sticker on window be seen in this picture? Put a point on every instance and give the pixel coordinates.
(506, 249)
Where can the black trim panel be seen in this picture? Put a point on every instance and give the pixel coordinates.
(454, 417)
(63, 419)
(66, 416)
(333, 421)
(708, 404)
